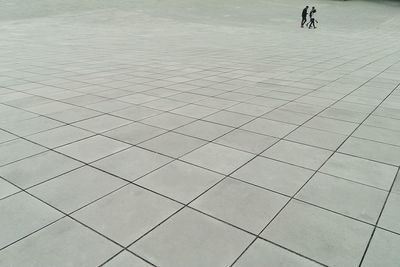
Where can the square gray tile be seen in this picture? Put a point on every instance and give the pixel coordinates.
(383, 250)
(125, 259)
(378, 134)
(18, 149)
(22, 214)
(93, 148)
(73, 115)
(318, 138)
(343, 196)
(173, 144)
(194, 111)
(75, 189)
(321, 235)
(5, 136)
(228, 118)
(164, 104)
(331, 125)
(64, 243)
(84, 100)
(287, 116)
(194, 240)
(132, 163)
(263, 253)
(168, 121)
(384, 153)
(137, 98)
(136, 113)
(39, 168)
(134, 133)
(360, 170)
(213, 102)
(390, 216)
(180, 181)
(50, 107)
(59, 136)
(247, 141)
(30, 126)
(204, 130)
(7, 189)
(302, 108)
(344, 114)
(108, 106)
(269, 127)
(274, 175)
(127, 214)
(102, 123)
(246, 206)
(383, 122)
(218, 158)
(250, 109)
(298, 154)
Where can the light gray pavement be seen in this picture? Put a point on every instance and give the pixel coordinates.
(199, 133)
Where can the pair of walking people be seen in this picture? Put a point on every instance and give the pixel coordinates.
(311, 22)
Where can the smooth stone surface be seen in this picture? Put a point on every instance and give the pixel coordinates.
(258, 206)
(246, 141)
(59, 136)
(92, 149)
(132, 163)
(127, 214)
(7, 189)
(167, 121)
(343, 196)
(360, 170)
(173, 144)
(28, 172)
(262, 253)
(18, 149)
(383, 250)
(193, 240)
(21, 215)
(317, 138)
(206, 87)
(64, 243)
(180, 181)
(390, 216)
(218, 158)
(274, 175)
(125, 259)
(326, 237)
(298, 154)
(134, 133)
(77, 188)
(269, 127)
(227, 118)
(381, 152)
(101, 123)
(204, 130)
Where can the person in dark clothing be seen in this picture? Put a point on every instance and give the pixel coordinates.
(311, 15)
(304, 16)
(312, 18)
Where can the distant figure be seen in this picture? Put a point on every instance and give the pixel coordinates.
(312, 18)
(304, 16)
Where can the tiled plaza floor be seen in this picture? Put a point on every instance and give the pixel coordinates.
(130, 139)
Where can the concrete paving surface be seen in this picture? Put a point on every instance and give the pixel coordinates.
(199, 133)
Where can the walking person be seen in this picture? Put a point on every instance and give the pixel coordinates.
(304, 16)
(311, 15)
(312, 18)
